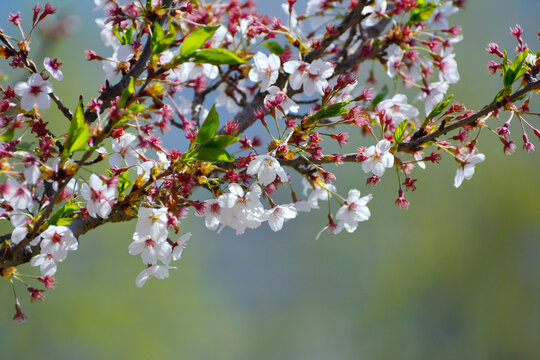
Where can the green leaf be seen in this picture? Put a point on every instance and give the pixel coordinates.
(212, 154)
(136, 108)
(128, 91)
(124, 183)
(217, 57)
(60, 216)
(161, 42)
(222, 141)
(422, 12)
(125, 36)
(274, 47)
(515, 70)
(196, 40)
(439, 108)
(379, 97)
(78, 133)
(7, 136)
(400, 131)
(208, 128)
(336, 109)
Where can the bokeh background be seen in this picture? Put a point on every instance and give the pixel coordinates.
(457, 276)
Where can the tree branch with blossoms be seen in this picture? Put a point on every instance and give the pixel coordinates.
(303, 88)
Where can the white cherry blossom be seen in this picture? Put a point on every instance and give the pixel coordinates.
(266, 70)
(354, 211)
(466, 170)
(395, 55)
(448, 66)
(436, 95)
(46, 262)
(279, 214)
(287, 104)
(99, 197)
(111, 66)
(179, 246)
(319, 192)
(297, 70)
(125, 149)
(17, 195)
(151, 249)
(57, 241)
(157, 271)
(241, 210)
(397, 108)
(212, 213)
(378, 158)
(191, 71)
(267, 168)
(152, 222)
(376, 13)
(34, 92)
(438, 19)
(53, 67)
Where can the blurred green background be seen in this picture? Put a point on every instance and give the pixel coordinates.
(455, 277)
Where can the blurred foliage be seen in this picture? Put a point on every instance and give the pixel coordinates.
(455, 277)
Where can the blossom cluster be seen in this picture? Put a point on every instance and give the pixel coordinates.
(305, 84)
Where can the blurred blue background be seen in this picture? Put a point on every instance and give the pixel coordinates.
(455, 277)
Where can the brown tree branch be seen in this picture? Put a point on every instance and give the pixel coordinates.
(140, 66)
(245, 117)
(415, 145)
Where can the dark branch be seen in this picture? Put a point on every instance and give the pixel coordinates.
(415, 145)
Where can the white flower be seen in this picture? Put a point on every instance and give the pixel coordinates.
(419, 156)
(320, 192)
(32, 173)
(448, 66)
(157, 271)
(354, 211)
(287, 104)
(315, 79)
(397, 108)
(241, 210)
(18, 196)
(278, 214)
(395, 55)
(266, 70)
(153, 222)
(18, 234)
(112, 66)
(20, 222)
(99, 197)
(107, 34)
(378, 158)
(436, 95)
(144, 170)
(312, 76)
(46, 263)
(53, 67)
(191, 71)
(376, 12)
(212, 214)
(180, 245)
(466, 170)
(57, 240)
(266, 168)
(151, 249)
(297, 69)
(438, 19)
(34, 92)
(124, 148)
